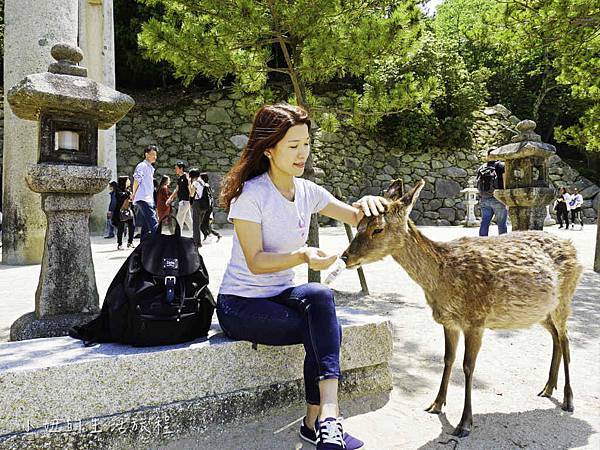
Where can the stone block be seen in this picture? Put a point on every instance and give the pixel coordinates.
(448, 214)
(447, 188)
(590, 191)
(217, 115)
(454, 172)
(103, 386)
(239, 140)
(434, 204)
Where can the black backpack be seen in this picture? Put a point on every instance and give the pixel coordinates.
(205, 200)
(159, 296)
(487, 178)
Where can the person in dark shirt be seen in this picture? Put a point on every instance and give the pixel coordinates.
(109, 231)
(121, 218)
(182, 193)
(490, 176)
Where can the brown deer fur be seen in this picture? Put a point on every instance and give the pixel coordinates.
(472, 283)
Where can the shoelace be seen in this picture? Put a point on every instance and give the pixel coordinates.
(331, 433)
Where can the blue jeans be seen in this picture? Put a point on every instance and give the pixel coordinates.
(109, 229)
(147, 214)
(491, 207)
(304, 315)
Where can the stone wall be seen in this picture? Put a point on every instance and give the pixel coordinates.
(208, 130)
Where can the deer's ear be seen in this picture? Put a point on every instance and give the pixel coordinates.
(410, 198)
(395, 190)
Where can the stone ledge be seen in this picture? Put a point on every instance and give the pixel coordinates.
(57, 392)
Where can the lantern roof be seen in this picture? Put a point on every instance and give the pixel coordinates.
(65, 88)
(525, 144)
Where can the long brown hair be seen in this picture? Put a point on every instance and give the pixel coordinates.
(270, 125)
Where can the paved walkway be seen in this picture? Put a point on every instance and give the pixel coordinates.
(511, 369)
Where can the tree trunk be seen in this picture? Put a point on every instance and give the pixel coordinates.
(309, 170)
(597, 258)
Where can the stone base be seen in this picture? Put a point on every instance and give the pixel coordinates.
(56, 393)
(28, 326)
(146, 428)
(472, 224)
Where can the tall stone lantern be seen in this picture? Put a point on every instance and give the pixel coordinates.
(70, 108)
(527, 190)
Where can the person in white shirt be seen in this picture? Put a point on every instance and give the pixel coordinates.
(575, 204)
(199, 205)
(271, 206)
(143, 192)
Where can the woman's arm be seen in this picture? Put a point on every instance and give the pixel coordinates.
(172, 196)
(353, 214)
(260, 262)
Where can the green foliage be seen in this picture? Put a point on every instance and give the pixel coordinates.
(455, 92)
(306, 42)
(542, 54)
(132, 69)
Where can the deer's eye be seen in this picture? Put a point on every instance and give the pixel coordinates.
(376, 231)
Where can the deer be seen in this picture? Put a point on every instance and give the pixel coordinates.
(509, 281)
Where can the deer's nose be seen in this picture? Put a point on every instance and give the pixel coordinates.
(344, 257)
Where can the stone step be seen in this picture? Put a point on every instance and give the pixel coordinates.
(57, 393)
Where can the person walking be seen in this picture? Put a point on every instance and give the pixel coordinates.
(109, 229)
(122, 215)
(182, 193)
(561, 206)
(162, 195)
(143, 192)
(199, 205)
(206, 226)
(575, 204)
(271, 207)
(490, 176)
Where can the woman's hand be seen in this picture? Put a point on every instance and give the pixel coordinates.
(371, 205)
(317, 259)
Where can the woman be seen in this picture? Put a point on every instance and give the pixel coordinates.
(122, 214)
(561, 206)
(206, 226)
(198, 209)
(270, 207)
(162, 195)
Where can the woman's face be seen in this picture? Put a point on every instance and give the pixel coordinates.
(291, 152)
(128, 183)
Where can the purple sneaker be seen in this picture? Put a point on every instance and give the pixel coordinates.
(331, 436)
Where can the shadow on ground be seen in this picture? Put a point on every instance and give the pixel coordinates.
(536, 429)
(273, 430)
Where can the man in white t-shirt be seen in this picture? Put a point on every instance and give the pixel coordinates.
(143, 192)
(575, 204)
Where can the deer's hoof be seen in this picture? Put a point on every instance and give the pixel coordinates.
(546, 393)
(568, 406)
(434, 409)
(461, 431)
(548, 390)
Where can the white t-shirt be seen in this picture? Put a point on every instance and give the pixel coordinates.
(576, 201)
(284, 227)
(199, 185)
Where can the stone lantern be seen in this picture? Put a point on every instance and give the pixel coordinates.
(527, 189)
(470, 201)
(70, 108)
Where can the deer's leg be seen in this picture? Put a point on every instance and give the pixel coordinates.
(472, 345)
(451, 341)
(556, 355)
(564, 345)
